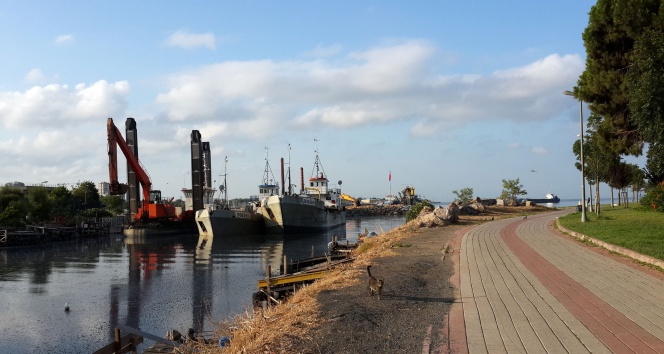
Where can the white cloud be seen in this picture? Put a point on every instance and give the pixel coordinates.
(383, 84)
(56, 105)
(188, 40)
(34, 75)
(62, 39)
(538, 150)
(322, 51)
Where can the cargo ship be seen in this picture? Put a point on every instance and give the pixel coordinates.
(316, 208)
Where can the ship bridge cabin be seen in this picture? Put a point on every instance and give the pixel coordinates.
(317, 185)
(266, 190)
(319, 188)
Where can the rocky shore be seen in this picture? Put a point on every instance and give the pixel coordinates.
(375, 210)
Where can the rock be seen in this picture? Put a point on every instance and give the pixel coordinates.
(468, 210)
(453, 210)
(479, 207)
(431, 220)
(425, 210)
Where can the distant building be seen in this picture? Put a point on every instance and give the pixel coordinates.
(25, 188)
(104, 189)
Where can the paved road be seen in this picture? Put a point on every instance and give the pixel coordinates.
(524, 288)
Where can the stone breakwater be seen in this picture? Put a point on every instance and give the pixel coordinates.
(375, 210)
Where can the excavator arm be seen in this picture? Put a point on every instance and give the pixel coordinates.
(114, 140)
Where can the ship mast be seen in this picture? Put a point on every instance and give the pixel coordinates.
(318, 171)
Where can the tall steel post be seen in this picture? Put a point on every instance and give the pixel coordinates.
(583, 176)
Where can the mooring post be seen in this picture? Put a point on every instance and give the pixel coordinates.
(117, 343)
(285, 266)
(268, 270)
(312, 251)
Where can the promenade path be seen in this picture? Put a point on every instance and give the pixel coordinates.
(525, 288)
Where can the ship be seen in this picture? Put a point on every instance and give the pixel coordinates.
(220, 220)
(550, 198)
(316, 208)
(226, 222)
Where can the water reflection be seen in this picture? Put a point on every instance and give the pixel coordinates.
(153, 284)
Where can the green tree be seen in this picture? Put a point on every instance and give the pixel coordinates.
(416, 209)
(646, 83)
(41, 207)
(113, 203)
(638, 181)
(613, 29)
(179, 203)
(86, 195)
(465, 196)
(619, 179)
(14, 207)
(654, 198)
(654, 169)
(597, 163)
(62, 201)
(512, 188)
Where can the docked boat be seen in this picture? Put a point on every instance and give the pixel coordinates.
(226, 222)
(550, 198)
(220, 220)
(316, 208)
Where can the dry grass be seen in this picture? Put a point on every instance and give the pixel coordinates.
(279, 328)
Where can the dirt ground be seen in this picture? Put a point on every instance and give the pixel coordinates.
(416, 296)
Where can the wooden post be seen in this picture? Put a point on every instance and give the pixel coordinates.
(312, 251)
(117, 343)
(268, 270)
(285, 266)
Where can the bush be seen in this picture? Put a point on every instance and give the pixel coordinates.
(416, 209)
(654, 199)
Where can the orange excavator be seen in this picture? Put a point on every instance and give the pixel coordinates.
(153, 208)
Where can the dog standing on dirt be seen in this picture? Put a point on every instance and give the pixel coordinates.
(375, 285)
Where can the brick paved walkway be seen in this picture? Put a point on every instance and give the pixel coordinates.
(526, 289)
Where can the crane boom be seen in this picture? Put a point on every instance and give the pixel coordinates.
(115, 139)
(153, 207)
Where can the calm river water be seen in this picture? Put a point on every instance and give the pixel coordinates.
(154, 284)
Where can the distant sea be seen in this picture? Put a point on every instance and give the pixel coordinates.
(562, 203)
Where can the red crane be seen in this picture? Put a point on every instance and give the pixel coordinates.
(152, 207)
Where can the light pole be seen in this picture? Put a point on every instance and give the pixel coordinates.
(583, 177)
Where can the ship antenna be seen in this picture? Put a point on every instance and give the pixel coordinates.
(225, 186)
(268, 170)
(318, 166)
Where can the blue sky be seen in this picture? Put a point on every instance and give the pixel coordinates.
(445, 94)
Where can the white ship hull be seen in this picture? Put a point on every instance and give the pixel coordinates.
(222, 222)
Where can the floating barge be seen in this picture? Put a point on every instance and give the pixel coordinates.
(35, 234)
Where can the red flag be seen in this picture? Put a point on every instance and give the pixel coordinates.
(389, 177)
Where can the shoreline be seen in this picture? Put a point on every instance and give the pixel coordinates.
(320, 317)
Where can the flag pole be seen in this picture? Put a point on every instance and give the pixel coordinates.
(389, 178)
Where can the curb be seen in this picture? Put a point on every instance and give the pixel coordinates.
(621, 250)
